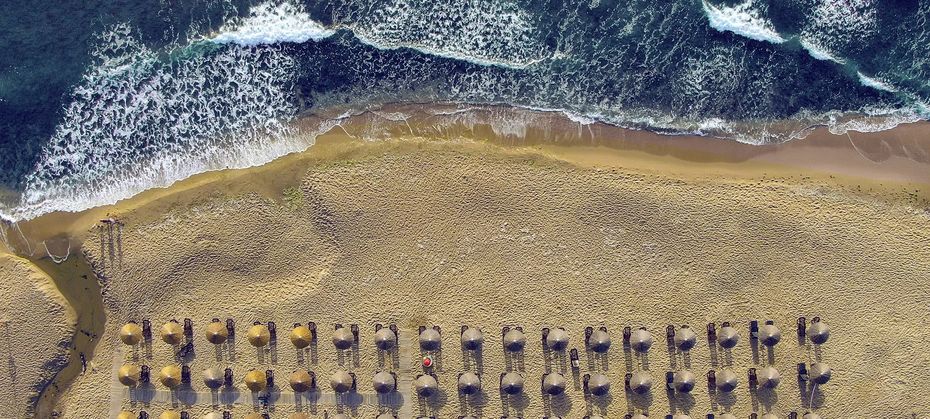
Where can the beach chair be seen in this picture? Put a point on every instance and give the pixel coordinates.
(188, 329)
(145, 374)
(312, 327)
(147, 330)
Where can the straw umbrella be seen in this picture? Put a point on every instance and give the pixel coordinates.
(258, 335)
(216, 333)
(341, 381)
(557, 339)
(769, 377)
(469, 383)
(685, 338)
(820, 373)
(430, 339)
(727, 380)
(128, 375)
(385, 339)
(256, 380)
(514, 340)
(641, 340)
(343, 338)
(683, 381)
(170, 376)
(386, 416)
(472, 338)
(172, 333)
(213, 415)
(213, 377)
(818, 332)
(553, 384)
(301, 336)
(641, 382)
(811, 415)
(384, 382)
(300, 381)
(130, 333)
(598, 385)
(599, 341)
(125, 415)
(169, 414)
(728, 337)
(512, 383)
(426, 385)
(769, 334)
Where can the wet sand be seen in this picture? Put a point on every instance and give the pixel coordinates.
(477, 223)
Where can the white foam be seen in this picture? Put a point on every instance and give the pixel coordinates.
(872, 120)
(483, 33)
(490, 33)
(819, 52)
(875, 83)
(742, 20)
(581, 119)
(134, 123)
(271, 23)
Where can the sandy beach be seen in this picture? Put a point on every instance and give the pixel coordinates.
(552, 225)
(37, 328)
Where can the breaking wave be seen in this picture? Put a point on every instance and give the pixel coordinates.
(145, 116)
(742, 20)
(272, 23)
(135, 123)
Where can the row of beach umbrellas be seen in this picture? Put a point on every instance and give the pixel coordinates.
(513, 339)
(171, 414)
(553, 383)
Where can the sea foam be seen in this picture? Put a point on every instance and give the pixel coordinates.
(135, 123)
(875, 83)
(484, 33)
(270, 23)
(742, 20)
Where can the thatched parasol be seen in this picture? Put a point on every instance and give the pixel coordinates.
(130, 333)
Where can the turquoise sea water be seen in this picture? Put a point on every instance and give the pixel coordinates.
(101, 100)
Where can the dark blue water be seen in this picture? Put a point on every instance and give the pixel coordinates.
(100, 100)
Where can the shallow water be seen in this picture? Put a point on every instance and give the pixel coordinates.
(99, 102)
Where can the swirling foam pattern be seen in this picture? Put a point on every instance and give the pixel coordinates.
(156, 104)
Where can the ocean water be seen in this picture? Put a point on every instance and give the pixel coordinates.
(102, 100)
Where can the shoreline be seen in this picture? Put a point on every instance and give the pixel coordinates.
(898, 154)
(584, 146)
(894, 164)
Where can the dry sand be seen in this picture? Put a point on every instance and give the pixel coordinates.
(36, 327)
(421, 233)
(499, 217)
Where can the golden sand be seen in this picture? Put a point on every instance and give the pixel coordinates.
(36, 326)
(420, 232)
